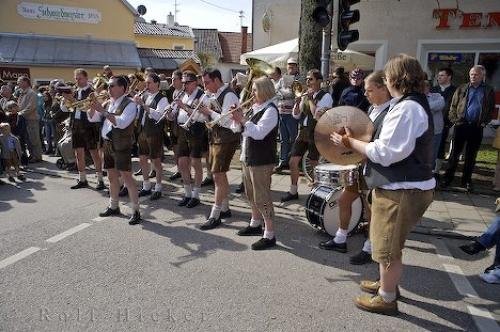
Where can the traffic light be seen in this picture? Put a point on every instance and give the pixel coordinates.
(346, 17)
(320, 16)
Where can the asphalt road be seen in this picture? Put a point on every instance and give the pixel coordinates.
(63, 269)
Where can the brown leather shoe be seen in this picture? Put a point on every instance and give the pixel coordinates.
(377, 305)
(372, 287)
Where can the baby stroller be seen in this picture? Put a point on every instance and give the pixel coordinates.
(65, 150)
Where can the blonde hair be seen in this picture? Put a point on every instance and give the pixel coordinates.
(81, 71)
(377, 78)
(264, 88)
(405, 74)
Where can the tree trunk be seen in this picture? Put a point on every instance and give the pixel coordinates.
(310, 34)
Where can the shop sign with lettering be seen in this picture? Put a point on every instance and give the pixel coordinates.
(454, 17)
(445, 57)
(39, 11)
(13, 73)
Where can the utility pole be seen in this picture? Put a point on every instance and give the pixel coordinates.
(175, 11)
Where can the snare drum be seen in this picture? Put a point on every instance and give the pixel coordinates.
(322, 209)
(336, 175)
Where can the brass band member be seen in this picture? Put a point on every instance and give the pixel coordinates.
(399, 168)
(377, 94)
(192, 143)
(85, 131)
(223, 144)
(151, 106)
(308, 109)
(258, 156)
(172, 118)
(118, 135)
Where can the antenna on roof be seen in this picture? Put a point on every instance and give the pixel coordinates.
(175, 11)
(241, 16)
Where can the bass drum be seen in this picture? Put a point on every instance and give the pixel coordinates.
(322, 209)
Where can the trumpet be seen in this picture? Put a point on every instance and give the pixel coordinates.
(84, 104)
(170, 108)
(194, 113)
(211, 124)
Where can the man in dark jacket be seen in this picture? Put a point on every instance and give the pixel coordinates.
(354, 95)
(470, 111)
(446, 89)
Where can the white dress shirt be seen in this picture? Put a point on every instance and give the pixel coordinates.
(123, 120)
(157, 113)
(377, 109)
(325, 102)
(404, 123)
(183, 116)
(260, 129)
(230, 99)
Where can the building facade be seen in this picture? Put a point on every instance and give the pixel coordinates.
(50, 38)
(446, 33)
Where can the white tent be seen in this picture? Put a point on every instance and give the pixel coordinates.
(278, 54)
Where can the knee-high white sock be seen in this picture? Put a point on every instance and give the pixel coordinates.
(196, 192)
(255, 222)
(215, 213)
(113, 204)
(225, 205)
(293, 189)
(187, 190)
(83, 176)
(367, 246)
(268, 235)
(146, 185)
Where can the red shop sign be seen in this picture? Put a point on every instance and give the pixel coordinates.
(468, 20)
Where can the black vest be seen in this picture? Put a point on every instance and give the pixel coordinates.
(377, 124)
(150, 127)
(220, 134)
(197, 129)
(417, 166)
(122, 139)
(262, 152)
(83, 115)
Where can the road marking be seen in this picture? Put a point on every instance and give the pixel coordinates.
(17, 257)
(99, 219)
(442, 250)
(462, 285)
(67, 233)
(483, 319)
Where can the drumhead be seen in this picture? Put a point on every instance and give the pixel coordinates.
(330, 217)
(334, 167)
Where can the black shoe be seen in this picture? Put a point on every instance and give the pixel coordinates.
(104, 173)
(251, 231)
(175, 176)
(240, 189)
(472, 248)
(332, 245)
(193, 202)
(110, 212)
(184, 201)
(100, 186)
(207, 182)
(152, 174)
(123, 191)
(289, 197)
(80, 184)
(2, 182)
(11, 179)
(361, 258)
(264, 243)
(492, 267)
(446, 182)
(155, 195)
(139, 172)
(280, 167)
(225, 214)
(144, 192)
(135, 219)
(211, 223)
(469, 187)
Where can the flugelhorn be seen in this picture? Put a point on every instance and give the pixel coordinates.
(169, 109)
(194, 113)
(211, 124)
(84, 104)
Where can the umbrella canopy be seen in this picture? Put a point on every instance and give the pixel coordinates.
(277, 55)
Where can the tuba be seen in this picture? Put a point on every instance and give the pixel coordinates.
(257, 68)
(137, 83)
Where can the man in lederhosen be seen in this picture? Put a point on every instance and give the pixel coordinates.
(223, 144)
(177, 93)
(84, 131)
(192, 142)
(118, 135)
(151, 106)
(308, 109)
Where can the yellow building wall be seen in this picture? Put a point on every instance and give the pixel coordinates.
(117, 21)
(163, 42)
(66, 73)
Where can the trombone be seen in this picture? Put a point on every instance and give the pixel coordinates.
(211, 124)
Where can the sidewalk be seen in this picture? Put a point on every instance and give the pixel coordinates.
(452, 214)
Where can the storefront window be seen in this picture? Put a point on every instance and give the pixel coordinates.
(459, 62)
